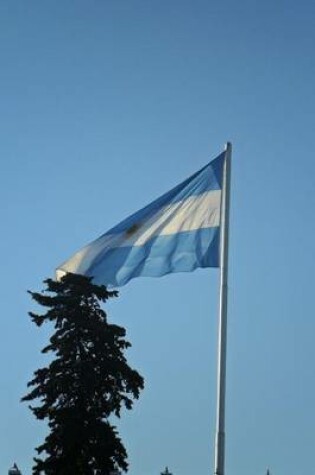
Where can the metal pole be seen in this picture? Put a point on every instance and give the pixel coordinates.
(224, 240)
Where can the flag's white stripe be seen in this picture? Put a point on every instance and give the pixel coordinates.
(195, 212)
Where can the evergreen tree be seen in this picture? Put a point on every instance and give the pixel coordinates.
(87, 381)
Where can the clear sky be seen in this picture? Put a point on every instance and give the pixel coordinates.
(105, 105)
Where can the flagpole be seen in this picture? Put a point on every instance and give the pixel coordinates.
(222, 331)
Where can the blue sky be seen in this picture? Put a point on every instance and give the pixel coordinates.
(107, 104)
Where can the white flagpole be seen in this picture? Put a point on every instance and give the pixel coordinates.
(221, 375)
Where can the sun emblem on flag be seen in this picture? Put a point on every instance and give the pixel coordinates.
(133, 229)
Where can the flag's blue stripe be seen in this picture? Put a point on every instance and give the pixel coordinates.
(207, 179)
(181, 252)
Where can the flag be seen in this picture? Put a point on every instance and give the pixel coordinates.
(178, 232)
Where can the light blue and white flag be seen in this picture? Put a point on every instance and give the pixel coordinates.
(178, 232)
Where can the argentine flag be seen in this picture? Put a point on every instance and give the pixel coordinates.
(178, 232)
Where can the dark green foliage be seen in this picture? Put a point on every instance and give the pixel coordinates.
(87, 381)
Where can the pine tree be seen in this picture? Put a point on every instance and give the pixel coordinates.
(87, 381)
